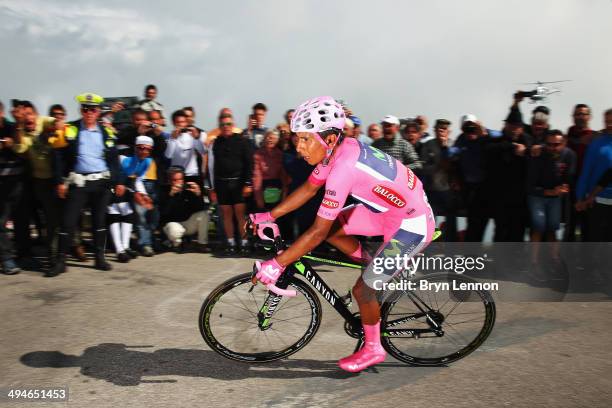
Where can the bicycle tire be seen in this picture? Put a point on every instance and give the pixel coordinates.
(211, 333)
(482, 297)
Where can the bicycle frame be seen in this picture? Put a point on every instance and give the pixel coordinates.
(303, 268)
(353, 325)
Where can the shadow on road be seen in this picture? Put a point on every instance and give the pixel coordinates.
(121, 365)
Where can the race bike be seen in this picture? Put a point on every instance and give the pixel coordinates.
(255, 323)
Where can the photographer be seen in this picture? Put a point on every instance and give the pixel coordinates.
(469, 148)
(437, 178)
(256, 128)
(184, 147)
(183, 211)
(506, 175)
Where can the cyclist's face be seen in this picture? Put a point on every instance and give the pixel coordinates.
(310, 148)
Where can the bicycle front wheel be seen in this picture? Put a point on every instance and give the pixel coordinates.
(251, 324)
(439, 325)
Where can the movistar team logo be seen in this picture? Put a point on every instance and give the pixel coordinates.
(395, 248)
(378, 154)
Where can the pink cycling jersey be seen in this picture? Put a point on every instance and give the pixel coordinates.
(391, 202)
(373, 178)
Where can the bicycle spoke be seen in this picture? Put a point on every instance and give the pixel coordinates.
(245, 306)
(236, 306)
(465, 321)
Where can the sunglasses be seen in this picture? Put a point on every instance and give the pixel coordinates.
(58, 114)
(553, 144)
(143, 148)
(226, 124)
(90, 108)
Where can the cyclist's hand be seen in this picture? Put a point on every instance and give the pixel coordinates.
(268, 271)
(261, 218)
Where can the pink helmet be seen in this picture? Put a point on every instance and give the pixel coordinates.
(318, 115)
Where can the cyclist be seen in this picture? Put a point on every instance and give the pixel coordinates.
(390, 202)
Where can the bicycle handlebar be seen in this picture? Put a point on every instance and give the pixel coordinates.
(281, 292)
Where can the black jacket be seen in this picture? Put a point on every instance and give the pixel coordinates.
(179, 207)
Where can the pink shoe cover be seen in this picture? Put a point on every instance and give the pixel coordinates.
(371, 353)
(364, 358)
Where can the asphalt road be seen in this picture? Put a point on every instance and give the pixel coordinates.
(129, 337)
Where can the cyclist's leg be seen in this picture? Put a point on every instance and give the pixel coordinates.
(354, 220)
(411, 238)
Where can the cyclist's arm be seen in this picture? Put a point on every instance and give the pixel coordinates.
(308, 241)
(296, 199)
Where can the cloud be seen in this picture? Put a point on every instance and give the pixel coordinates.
(441, 58)
(92, 33)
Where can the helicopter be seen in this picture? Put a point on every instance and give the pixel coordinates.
(541, 92)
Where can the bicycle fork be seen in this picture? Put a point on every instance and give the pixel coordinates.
(264, 316)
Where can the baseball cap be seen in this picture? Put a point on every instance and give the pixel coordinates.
(442, 123)
(144, 140)
(468, 118)
(391, 119)
(356, 120)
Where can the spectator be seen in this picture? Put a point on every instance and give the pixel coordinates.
(40, 133)
(349, 128)
(184, 148)
(231, 172)
(469, 158)
(298, 171)
(539, 125)
(579, 136)
(358, 134)
(157, 117)
(424, 136)
(90, 164)
(604, 183)
(148, 124)
(269, 177)
(256, 128)
(289, 116)
(392, 144)
(57, 111)
(412, 134)
(120, 213)
(12, 168)
(183, 212)
(374, 132)
(597, 160)
(190, 114)
(284, 132)
(506, 165)
(548, 180)
(212, 135)
(436, 177)
(150, 103)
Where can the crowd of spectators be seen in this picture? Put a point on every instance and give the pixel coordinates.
(153, 186)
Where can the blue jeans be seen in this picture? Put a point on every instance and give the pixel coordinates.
(148, 220)
(545, 213)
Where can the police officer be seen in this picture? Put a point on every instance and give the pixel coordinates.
(86, 170)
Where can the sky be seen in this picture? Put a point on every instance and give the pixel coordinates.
(440, 58)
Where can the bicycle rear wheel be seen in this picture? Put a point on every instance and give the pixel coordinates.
(465, 319)
(248, 323)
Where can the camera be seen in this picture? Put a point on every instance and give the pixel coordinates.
(185, 130)
(471, 128)
(153, 125)
(526, 94)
